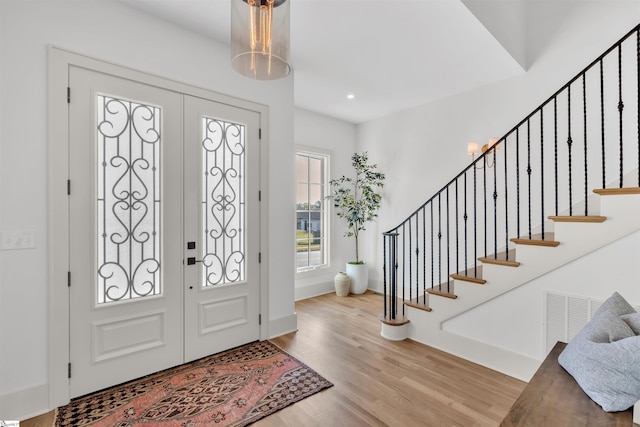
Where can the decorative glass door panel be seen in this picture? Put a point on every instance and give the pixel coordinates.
(222, 226)
(223, 202)
(125, 262)
(128, 203)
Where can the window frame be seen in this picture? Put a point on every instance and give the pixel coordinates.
(326, 216)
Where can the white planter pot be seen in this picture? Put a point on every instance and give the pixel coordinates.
(359, 274)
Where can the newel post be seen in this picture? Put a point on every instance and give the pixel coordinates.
(394, 326)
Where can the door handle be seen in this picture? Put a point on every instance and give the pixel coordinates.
(192, 260)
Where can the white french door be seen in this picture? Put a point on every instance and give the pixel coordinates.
(163, 229)
(221, 227)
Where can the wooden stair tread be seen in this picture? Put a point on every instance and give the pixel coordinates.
(418, 303)
(537, 240)
(617, 191)
(577, 218)
(471, 274)
(393, 322)
(501, 259)
(443, 290)
(465, 278)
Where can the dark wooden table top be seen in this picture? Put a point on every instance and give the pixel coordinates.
(554, 398)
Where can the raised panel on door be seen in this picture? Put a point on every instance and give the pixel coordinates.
(222, 177)
(125, 230)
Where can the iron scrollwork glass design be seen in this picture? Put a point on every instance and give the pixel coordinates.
(223, 202)
(128, 202)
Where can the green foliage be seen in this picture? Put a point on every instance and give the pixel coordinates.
(356, 199)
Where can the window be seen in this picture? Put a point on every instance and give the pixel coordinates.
(312, 225)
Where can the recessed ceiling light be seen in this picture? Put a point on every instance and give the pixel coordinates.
(350, 96)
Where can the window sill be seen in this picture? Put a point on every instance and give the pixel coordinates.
(318, 271)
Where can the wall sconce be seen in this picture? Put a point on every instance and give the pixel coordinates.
(489, 159)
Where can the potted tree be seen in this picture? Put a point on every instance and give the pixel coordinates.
(357, 201)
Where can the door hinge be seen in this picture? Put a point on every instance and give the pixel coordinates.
(260, 133)
(69, 370)
(68, 278)
(260, 195)
(68, 95)
(259, 319)
(259, 257)
(68, 187)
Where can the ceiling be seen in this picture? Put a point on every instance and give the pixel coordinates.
(391, 55)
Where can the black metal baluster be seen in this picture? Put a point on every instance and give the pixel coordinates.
(384, 272)
(555, 149)
(410, 263)
(404, 245)
(424, 256)
(604, 183)
(403, 276)
(432, 253)
(457, 235)
(542, 170)
(506, 200)
(529, 171)
(417, 260)
(465, 223)
(620, 108)
(448, 245)
(475, 225)
(391, 274)
(518, 182)
(439, 241)
(484, 192)
(638, 96)
(569, 144)
(495, 199)
(394, 289)
(586, 176)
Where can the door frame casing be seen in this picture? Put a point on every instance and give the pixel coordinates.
(60, 61)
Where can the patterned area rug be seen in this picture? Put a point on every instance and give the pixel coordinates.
(234, 388)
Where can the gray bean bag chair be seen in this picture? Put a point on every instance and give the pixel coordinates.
(604, 357)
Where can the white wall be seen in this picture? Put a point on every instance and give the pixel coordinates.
(109, 31)
(421, 149)
(339, 138)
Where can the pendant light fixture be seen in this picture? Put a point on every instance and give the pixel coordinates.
(260, 38)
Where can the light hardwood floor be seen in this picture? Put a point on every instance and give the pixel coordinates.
(379, 382)
(384, 383)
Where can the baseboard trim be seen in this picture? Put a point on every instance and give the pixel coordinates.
(376, 286)
(25, 404)
(283, 325)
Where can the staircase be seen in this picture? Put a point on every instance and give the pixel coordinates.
(564, 182)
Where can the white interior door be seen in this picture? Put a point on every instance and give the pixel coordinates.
(164, 229)
(126, 294)
(222, 219)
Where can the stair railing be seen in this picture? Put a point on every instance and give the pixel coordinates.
(546, 165)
